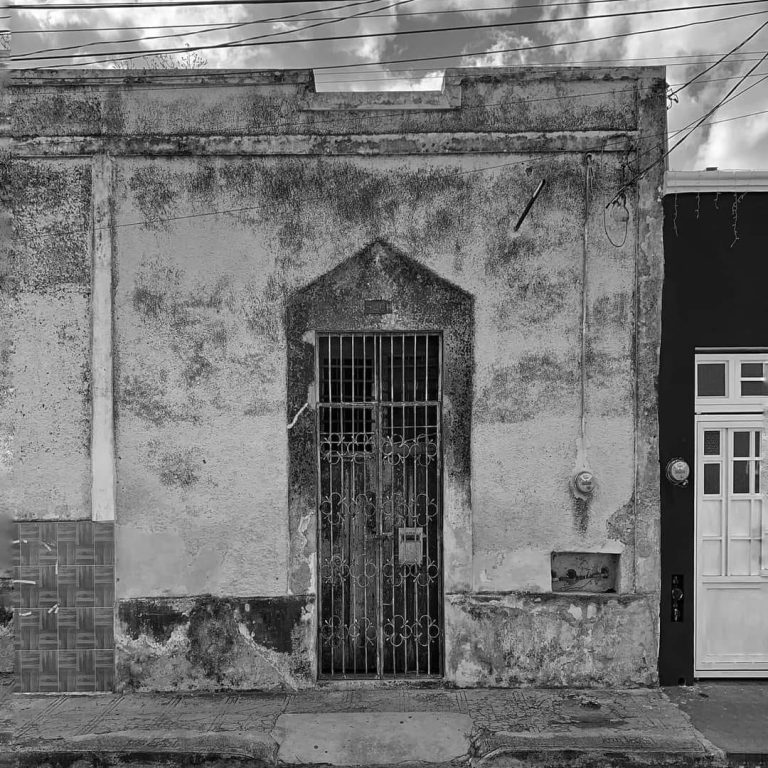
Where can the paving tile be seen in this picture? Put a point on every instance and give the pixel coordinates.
(30, 679)
(16, 631)
(49, 662)
(49, 630)
(85, 629)
(84, 595)
(16, 548)
(47, 588)
(29, 551)
(85, 679)
(67, 671)
(84, 554)
(104, 552)
(29, 629)
(67, 586)
(66, 543)
(29, 530)
(104, 585)
(104, 534)
(105, 679)
(27, 583)
(104, 622)
(67, 629)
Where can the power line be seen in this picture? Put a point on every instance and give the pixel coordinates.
(376, 15)
(521, 49)
(149, 4)
(315, 23)
(720, 60)
(468, 54)
(727, 98)
(258, 41)
(212, 74)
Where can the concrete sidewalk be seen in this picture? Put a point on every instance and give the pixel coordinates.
(358, 727)
(733, 714)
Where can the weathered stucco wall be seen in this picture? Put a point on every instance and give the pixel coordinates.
(45, 341)
(201, 352)
(228, 200)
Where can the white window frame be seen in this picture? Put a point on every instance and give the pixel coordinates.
(733, 401)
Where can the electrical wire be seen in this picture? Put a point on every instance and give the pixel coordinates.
(320, 10)
(400, 74)
(726, 99)
(315, 23)
(149, 4)
(720, 60)
(467, 54)
(249, 42)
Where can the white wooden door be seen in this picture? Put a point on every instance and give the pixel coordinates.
(731, 549)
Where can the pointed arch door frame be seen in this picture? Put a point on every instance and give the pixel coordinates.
(350, 299)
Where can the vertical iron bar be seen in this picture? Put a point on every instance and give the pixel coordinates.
(365, 496)
(439, 499)
(404, 484)
(319, 495)
(344, 527)
(414, 516)
(392, 492)
(353, 514)
(331, 502)
(378, 373)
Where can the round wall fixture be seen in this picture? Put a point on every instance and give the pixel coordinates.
(584, 482)
(678, 471)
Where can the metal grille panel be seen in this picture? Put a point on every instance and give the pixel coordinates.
(379, 504)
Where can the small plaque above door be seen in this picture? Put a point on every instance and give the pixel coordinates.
(378, 307)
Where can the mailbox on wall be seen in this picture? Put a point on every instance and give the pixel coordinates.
(410, 545)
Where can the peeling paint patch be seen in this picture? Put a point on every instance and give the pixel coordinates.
(621, 524)
(551, 640)
(209, 643)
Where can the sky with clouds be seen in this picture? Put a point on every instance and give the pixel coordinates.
(381, 31)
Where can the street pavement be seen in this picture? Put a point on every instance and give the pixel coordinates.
(359, 726)
(732, 713)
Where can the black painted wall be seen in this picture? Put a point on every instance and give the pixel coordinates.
(715, 278)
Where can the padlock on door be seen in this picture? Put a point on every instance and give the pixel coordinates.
(410, 545)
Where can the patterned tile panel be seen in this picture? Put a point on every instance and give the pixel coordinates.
(64, 606)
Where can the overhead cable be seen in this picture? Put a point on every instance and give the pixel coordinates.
(148, 4)
(720, 60)
(257, 41)
(466, 54)
(315, 23)
(375, 15)
(699, 123)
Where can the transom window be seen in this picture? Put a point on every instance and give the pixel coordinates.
(731, 382)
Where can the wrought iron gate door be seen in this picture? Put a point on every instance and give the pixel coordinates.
(379, 504)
